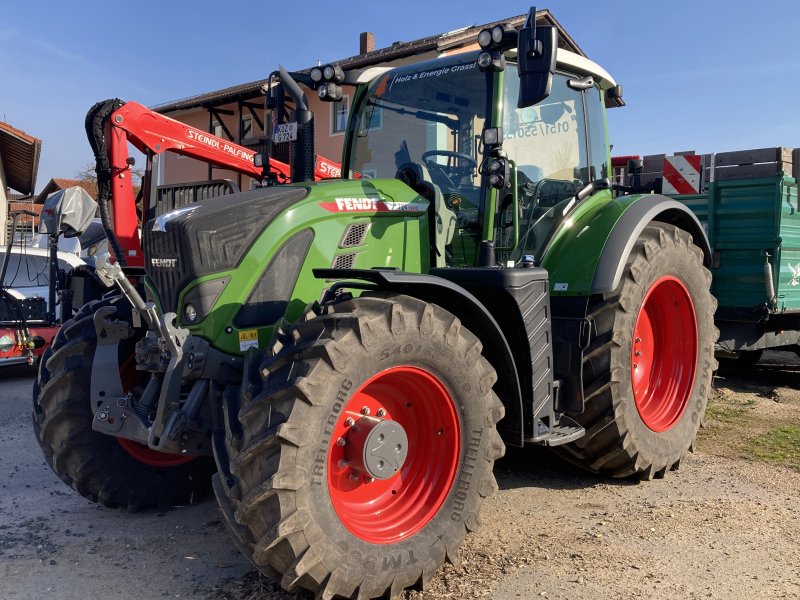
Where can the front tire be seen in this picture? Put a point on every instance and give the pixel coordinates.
(303, 502)
(101, 468)
(647, 372)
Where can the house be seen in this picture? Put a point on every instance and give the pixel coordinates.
(19, 164)
(58, 184)
(236, 113)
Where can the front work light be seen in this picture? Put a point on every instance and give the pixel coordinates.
(499, 37)
(326, 81)
(491, 61)
(485, 38)
(329, 92)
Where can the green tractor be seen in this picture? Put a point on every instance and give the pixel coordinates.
(355, 354)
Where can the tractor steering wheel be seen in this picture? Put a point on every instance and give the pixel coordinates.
(453, 174)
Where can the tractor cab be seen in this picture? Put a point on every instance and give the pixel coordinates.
(427, 125)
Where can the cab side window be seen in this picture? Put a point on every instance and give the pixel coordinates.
(598, 146)
(548, 141)
(559, 145)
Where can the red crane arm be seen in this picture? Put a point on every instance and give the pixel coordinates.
(153, 133)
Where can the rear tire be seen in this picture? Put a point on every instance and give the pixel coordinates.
(296, 505)
(96, 465)
(645, 399)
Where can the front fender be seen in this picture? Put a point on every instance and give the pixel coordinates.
(589, 252)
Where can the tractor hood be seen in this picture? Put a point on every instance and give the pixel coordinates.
(238, 261)
(210, 236)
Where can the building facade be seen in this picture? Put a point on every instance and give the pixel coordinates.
(237, 113)
(19, 164)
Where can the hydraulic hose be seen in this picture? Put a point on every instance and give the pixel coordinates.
(95, 130)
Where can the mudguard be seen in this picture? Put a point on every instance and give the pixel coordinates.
(627, 229)
(457, 300)
(589, 252)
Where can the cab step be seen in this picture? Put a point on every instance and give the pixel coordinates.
(564, 431)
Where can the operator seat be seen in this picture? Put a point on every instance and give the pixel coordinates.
(417, 177)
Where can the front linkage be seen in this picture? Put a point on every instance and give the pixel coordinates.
(175, 359)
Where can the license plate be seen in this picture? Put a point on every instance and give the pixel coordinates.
(284, 132)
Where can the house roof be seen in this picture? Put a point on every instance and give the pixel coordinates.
(398, 50)
(58, 183)
(20, 155)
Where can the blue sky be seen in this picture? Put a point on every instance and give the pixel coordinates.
(705, 75)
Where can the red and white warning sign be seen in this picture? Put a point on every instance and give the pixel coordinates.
(682, 174)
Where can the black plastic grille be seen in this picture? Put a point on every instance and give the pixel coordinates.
(344, 261)
(354, 235)
(212, 236)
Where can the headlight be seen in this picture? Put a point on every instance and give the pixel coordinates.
(190, 312)
(328, 72)
(485, 38)
(323, 91)
(316, 74)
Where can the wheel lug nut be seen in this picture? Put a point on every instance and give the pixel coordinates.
(364, 410)
(353, 477)
(638, 339)
(341, 442)
(368, 479)
(381, 412)
(635, 366)
(342, 464)
(638, 353)
(349, 422)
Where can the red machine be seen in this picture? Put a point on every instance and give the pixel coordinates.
(111, 124)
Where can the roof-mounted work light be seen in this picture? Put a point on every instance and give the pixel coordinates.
(326, 81)
(499, 37)
(494, 41)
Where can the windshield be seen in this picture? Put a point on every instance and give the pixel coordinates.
(422, 124)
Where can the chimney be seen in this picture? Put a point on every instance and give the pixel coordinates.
(366, 42)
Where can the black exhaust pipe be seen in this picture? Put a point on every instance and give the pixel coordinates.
(302, 156)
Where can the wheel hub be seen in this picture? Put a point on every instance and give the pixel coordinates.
(376, 447)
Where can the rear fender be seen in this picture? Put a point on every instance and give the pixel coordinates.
(626, 231)
(587, 256)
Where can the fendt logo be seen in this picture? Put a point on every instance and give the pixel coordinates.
(165, 263)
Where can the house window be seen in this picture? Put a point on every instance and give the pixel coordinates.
(339, 112)
(246, 127)
(216, 129)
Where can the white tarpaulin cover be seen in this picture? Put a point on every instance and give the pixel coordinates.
(68, 212)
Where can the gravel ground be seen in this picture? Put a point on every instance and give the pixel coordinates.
(721, 527)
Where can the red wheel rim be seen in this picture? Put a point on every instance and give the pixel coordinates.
(384, 511)
(130, 377)
(664, 354)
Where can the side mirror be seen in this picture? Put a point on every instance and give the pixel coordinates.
(536, 61)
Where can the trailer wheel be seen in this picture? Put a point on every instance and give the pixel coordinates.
(98, 466)
(647, 373)
(366, 448)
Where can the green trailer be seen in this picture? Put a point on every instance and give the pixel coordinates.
(754, 229)
(749, 209)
